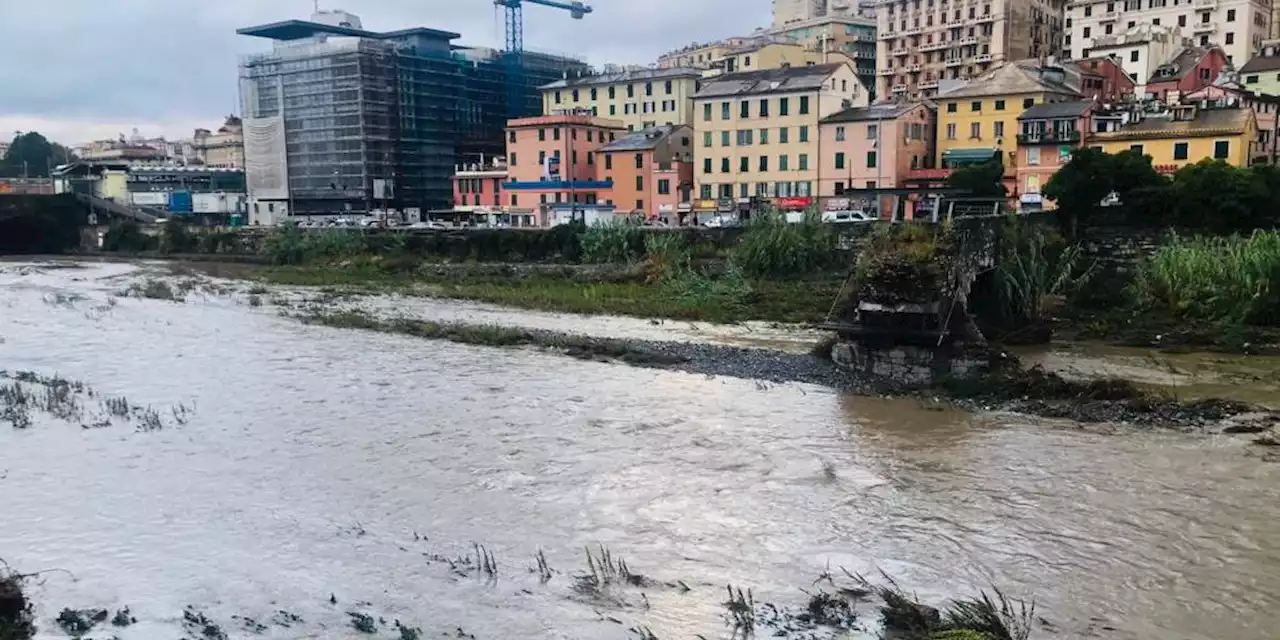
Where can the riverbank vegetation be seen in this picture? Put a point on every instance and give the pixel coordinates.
(17, 618)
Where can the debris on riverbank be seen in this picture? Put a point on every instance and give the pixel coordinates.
(25, 393)
(17, 620)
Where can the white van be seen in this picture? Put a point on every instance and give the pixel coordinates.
(848, 217)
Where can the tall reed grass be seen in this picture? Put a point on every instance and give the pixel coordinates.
(613, 243)
(773, 247)
(1035, 269)
(1233, 279)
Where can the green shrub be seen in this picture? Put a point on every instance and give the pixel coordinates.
(1035, 268)
(176, 238)
(667, 254)
(1232, 279)
(774, 248)
(126, 236)
(612, 243)
(286, 245)
(729, 294)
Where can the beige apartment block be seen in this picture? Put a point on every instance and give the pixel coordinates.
(640, 98)
(1237, 26)
(757, 133)
(924, 43)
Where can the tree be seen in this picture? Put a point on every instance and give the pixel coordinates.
(1081, 185)
(32, 155)
(984, 180)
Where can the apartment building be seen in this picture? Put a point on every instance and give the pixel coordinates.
(1238, 26)
(924, 43)
(551, 160)
(1139, 50)
(852, 35)
(638, 98)
(1184, 135)
(1261, 74)
(224, 148)
(757, 132)
(1048, 134)
(479, 185)
(979, 119)
(1266, 113)
(874, 146)
(1192, 69)
(651, 170)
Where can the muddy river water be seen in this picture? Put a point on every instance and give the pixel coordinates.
(316, 459)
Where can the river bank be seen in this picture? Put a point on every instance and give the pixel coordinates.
(316, 459)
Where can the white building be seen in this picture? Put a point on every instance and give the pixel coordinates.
(1140, 50)
(1238, 26)
(786, 12)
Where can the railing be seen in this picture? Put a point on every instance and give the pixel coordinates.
(1049, 137)
(1204, 27)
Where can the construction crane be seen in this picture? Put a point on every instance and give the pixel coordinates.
(515, 43)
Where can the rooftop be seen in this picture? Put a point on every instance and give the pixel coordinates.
(1180, 65)
(787, 79)
(873, 112)
(636, 75)
(1261, 63)
(1205, 122)
(1018, 77)
(642, 140)
(1047, 110)
(288, 30)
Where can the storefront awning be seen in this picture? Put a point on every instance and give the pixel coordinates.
(962, 157)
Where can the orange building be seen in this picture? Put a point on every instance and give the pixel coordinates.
(553, 160)
(874, 147)
(651, 171)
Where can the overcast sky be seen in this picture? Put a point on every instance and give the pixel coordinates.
(78, 70)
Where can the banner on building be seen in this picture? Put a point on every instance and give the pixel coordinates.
(266, 166)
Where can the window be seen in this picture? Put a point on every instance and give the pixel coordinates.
(706, 139)
(511, 137)
(782, 163)
(1231, 15)
(744, 109)
(839, 188)
(1133, 56)
(804, 105)
(1180, 151)
(975, 130)
(631, 91)
(1028, 103)
(871, 159)
(706, 164)
(782, 135)
(706, 112)
(1107, 29)
(542, 157)
(1087, 31)
(555, 133)
(804, 134)
(639, 160)
(999, 105)
(840, 160)
(951, 131)
(998, 129)
(1231, 38)
(557, 97)
(667, 87)
(704, 191)
(951, 107)
(575, 95)
(1136, 148)
(744, 164)
(1033, 155)
(764, 163)
(1182, 21)
(764, 136)
(976, 105)
(764, 108)
(1221, 149)
(512, 162)
(591, 158)
(613, 110)
(784, 106)
(542, 135)
(724, 110)
(639, 183)
(1251, 79)
(804, 162)
(724, 138)
(593, 94)
(724, 165)
(873, 131)
(1088, 11)
(515, 200)
(590, 133)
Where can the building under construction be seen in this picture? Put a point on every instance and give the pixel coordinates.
(339, 119)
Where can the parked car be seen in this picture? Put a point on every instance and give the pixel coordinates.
(849, 217)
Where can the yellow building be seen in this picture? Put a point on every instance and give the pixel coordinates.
(773, 55)
(756, 132)
(639, 98)
(698, 56)
(980, 118)
(1185, 135)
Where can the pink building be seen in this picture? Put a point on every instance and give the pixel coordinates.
(479, 186)
(874, 147)
(1048, 134)
(1191, 70)
(552, 160)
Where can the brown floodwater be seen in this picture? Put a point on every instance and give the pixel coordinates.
(316, 458)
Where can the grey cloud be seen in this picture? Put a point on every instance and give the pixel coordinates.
(167, 61)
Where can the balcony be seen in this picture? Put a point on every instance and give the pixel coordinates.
(1205, 4)
(934, 46)
(1110, 16)
(955, 62)
(1049, 137)
(885, 72)
(969, 40)
(982, 57)
(989, 17)
(927, 84)
(899, 88)
(900, 51)
(1204, 27)
(915, 68)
